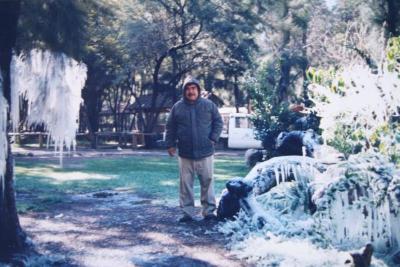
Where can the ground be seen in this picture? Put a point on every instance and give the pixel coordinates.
(106, 209)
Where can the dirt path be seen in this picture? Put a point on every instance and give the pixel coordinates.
(122, 229)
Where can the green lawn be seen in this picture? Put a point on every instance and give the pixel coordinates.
(45, 183)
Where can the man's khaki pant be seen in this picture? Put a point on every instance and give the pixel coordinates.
(188, 169)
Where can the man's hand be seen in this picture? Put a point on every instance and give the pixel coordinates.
(172, 151)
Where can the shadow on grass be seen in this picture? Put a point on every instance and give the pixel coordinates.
(41, 184)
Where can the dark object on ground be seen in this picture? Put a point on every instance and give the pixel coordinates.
(363, 259)
(292, 143)
(269, 139)
(210, 217)
(185, 218)
(252, 156)
(396, 258)
(161, 144)
(104, 194)
(311, 121)
(229, 205)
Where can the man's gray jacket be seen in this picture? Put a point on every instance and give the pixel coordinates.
(193, 127)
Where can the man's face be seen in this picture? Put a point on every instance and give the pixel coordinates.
(191, 92)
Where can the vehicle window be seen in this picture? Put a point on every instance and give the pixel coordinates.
(242, 122)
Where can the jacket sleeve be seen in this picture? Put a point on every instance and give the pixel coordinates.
(170, 137)
(217, 124)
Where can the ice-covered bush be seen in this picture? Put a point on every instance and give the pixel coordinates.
(360, 203)
(354, 203)
(360, 106)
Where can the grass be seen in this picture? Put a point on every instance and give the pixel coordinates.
(42, 184)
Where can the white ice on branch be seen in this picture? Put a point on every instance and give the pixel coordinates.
(367, 102)
(3, 134)
(51, 83)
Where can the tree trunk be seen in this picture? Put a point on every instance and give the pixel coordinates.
(284, 80)
(92, 100)
(12, 238)
(304, 66)
(393, 18)
(93, 118)
(237, 93)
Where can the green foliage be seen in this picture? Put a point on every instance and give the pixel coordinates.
(346, 140)
(393, 54)
(386, 139)
(271, 115)
(329, 78)
(56, 25)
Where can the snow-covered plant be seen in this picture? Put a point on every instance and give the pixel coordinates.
(352, 203)
(360, 203)
(393, 54)
(358, 106)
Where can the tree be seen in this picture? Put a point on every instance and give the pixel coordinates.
(232, 27)
(286, 25)
(12, 238)
(106, 58)
(160, 40)
(168, 39)
(280, 79)
(30, 32)
(387, 14)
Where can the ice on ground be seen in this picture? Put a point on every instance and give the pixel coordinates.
(51, 83)
(272, 250)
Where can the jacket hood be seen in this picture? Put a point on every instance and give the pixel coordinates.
(190, 80)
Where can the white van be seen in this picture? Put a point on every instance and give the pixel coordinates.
(239, 131)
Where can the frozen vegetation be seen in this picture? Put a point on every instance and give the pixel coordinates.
(51, 83)
(313, 220)
(315, 211)
(360, 102)
(3, 133)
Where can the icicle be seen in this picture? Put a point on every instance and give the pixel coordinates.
(282, 168)
(17, 70)
(276, 171)
(52, 84)
(294, 171)
(303, 151)
(287, 173)
(3, 136)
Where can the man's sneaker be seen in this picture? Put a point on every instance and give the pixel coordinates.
(210, 217)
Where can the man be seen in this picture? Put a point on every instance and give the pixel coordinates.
(194, 126)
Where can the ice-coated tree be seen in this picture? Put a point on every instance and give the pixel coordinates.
(51, 82)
